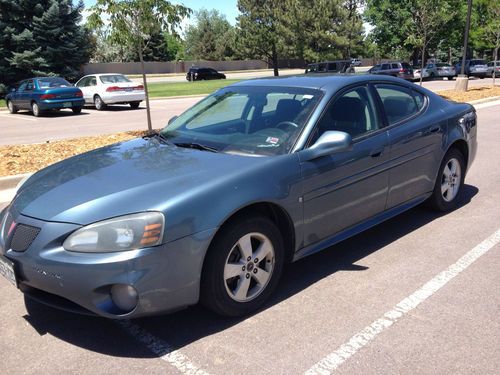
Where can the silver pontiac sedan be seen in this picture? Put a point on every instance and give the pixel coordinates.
(212, 208)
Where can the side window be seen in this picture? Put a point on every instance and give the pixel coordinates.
(395, 66)
(30, 86)
(92, 81)
(386, 66)
(22, 87)
(82, 82)
(353, 113)
(419, 99)
(399, 103)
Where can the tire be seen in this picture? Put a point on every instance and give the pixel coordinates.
(98, 103)
(445, 196)
(12, 107)
(229, 295)
(37, 112)
(76, 110)
(134, 105)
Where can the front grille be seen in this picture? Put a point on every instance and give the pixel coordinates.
(23, 237)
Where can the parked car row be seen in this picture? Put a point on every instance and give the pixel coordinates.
(43, 94)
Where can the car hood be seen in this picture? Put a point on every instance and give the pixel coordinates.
(134, 176)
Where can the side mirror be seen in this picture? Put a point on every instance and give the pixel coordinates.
(172, 119)
(330, 142)
(13, 89)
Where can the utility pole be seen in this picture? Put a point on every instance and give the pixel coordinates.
(462, 80)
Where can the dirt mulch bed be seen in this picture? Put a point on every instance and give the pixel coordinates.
(19, 159)
(474, 93)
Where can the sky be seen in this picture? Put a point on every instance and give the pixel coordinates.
(226, 7)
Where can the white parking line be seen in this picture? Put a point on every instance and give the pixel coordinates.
(162, 349)
(18, 117)
(333, 360)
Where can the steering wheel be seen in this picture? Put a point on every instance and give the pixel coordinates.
(284, 125)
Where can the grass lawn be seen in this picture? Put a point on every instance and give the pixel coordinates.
(187, 88)
(2, 103)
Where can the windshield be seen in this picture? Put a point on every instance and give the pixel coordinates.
(49, 82)
(260, 121)
(114, 78)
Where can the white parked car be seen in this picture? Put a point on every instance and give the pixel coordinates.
(417, 72)
(111, 88)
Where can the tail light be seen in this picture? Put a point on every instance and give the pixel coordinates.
(79, 94)
(47, 96)
(113, 89)
(140, 87)
(402, 70)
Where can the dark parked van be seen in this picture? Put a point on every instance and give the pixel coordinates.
(395, 69)
(198, 74)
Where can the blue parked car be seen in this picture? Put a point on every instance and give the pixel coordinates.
(42, 94)
(212, 208)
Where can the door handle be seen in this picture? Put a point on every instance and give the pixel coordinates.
(434, 129)
(376, 153)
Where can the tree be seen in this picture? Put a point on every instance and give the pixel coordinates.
(174, 47)
(428, 18)
(258, 33)
(133, 22)
(315, 33)
(486, 31)
(211, 37)
(41, 38)
(354, 30)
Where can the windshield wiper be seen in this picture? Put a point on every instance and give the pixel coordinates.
(160, 138)
(197, 146)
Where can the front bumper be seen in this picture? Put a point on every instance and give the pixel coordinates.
(60, 103)
(166, 277)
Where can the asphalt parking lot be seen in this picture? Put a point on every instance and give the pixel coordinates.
(23, 128)
(416, 295)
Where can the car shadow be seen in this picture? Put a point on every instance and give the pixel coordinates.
(189, 325)
(52, 114)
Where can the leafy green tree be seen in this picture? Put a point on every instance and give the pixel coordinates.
(259, 30)
(210, 37)
(315, 33)
(41, 37)
(174, 47)
(133, 22)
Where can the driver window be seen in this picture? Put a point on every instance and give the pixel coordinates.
(29, 86)
(352, 113)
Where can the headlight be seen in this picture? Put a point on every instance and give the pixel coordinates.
(119, 234)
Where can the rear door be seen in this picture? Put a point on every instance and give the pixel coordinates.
(415, 135)
(343, 189)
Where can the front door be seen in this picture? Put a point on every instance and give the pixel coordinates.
(343, 189)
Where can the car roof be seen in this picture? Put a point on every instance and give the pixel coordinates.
(319, 81)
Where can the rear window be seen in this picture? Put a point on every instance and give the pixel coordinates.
(399, 102)
(115, 78)
(49, 82)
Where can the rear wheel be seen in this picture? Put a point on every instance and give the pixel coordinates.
(35, 109)
(242, 267)
(134, 105)
(98, 103)
(12, 107)
(449, 183)
(76, 110)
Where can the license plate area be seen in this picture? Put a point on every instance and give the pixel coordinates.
(67, 104)
(7, 270)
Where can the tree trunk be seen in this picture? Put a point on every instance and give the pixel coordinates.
(275, 60)
(145, 83)
(423, 64)
(495, 65)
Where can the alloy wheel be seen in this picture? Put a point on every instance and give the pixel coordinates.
(249, 267)
(451, 179)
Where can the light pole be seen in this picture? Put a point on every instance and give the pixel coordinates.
(462, 80)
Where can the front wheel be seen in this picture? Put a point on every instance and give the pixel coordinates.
(12, 107)
(449, 183)
(242, 267)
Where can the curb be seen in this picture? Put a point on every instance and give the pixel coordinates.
(10, 182)
(485, 100)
